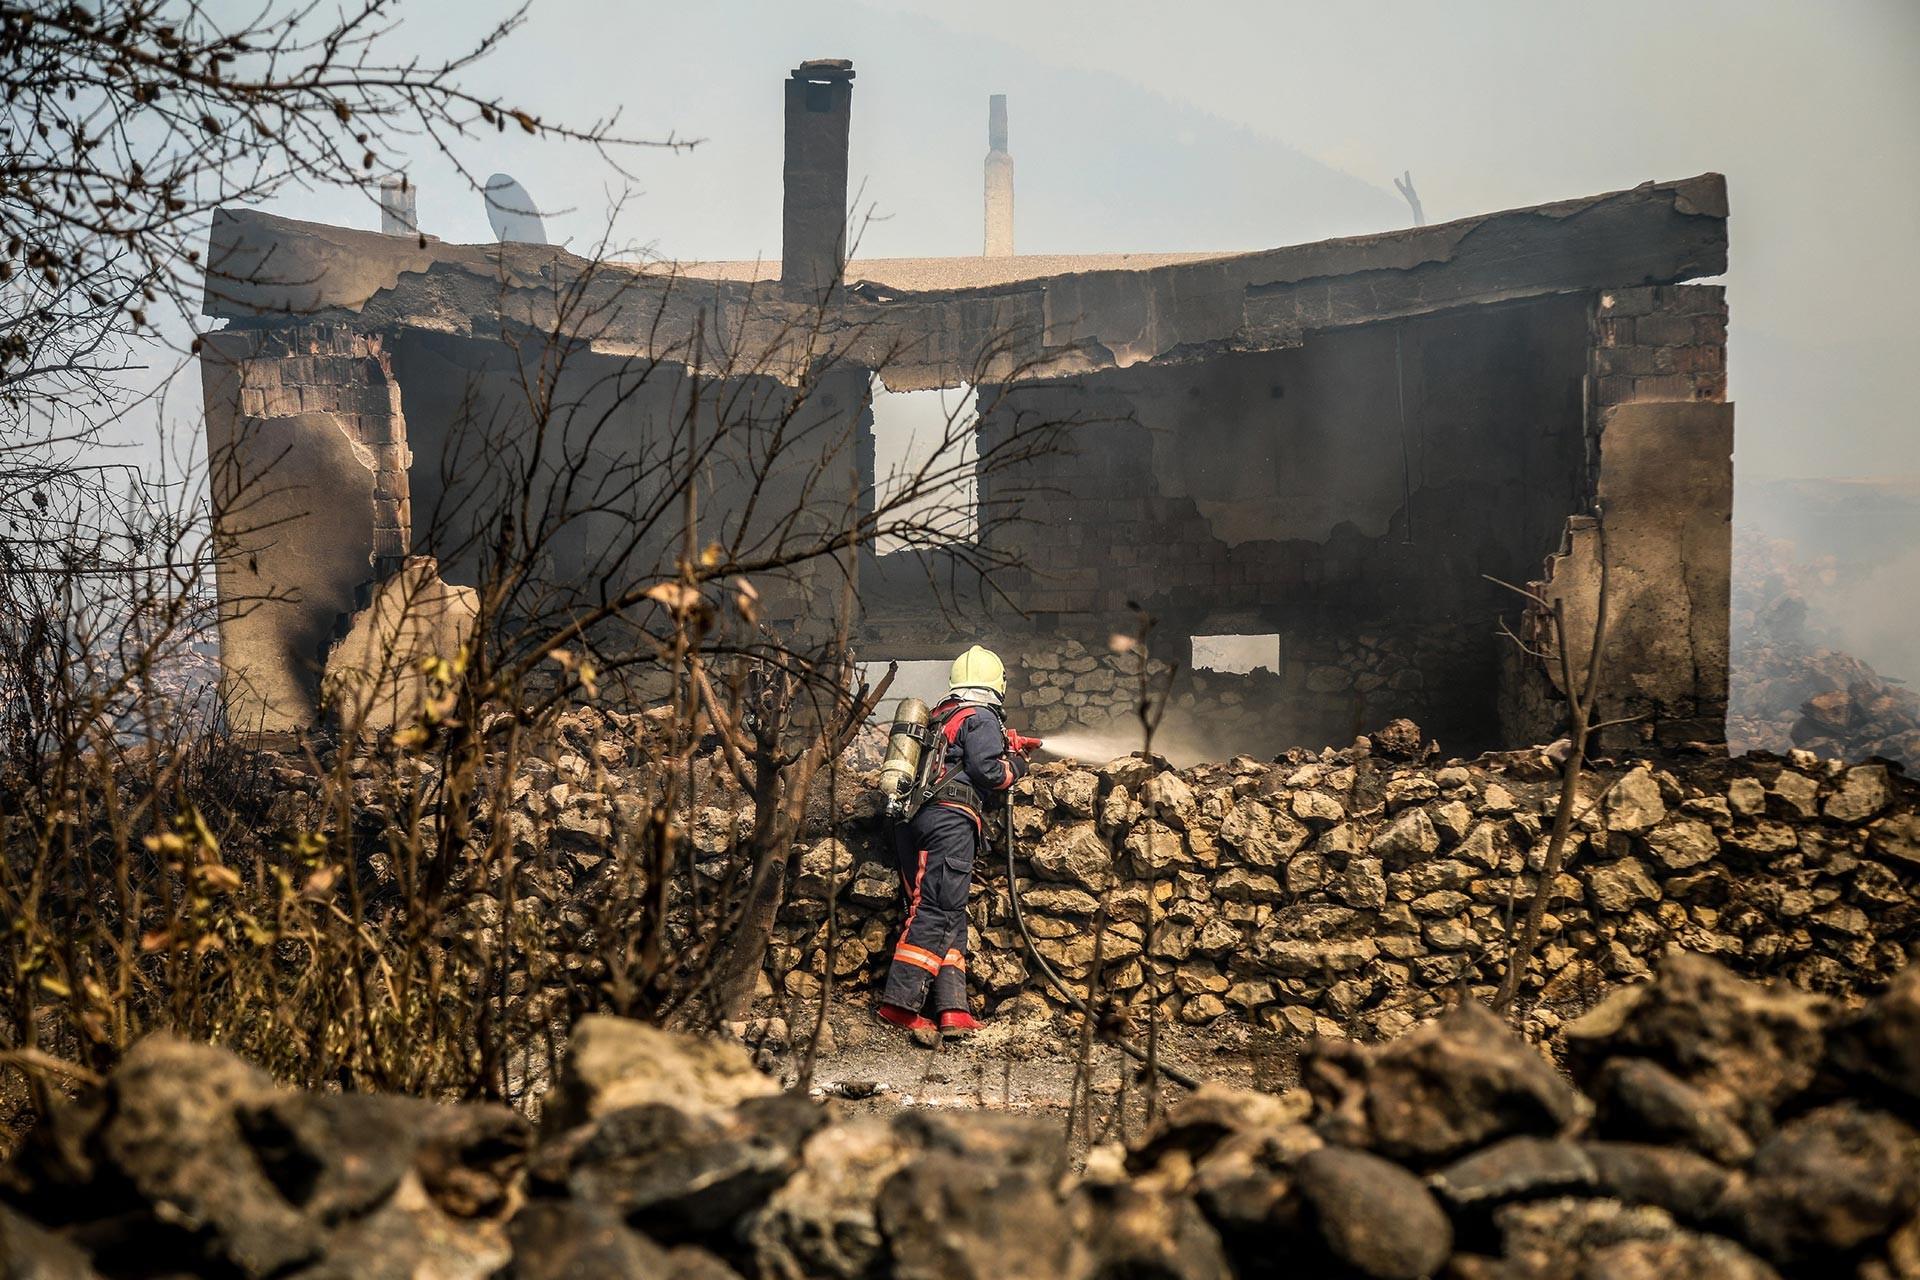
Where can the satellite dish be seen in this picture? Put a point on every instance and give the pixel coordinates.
(512, 213)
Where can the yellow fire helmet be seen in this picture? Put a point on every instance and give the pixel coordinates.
(978, 668)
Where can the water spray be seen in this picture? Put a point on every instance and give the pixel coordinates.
(1089, 744)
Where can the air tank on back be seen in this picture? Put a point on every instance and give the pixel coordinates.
(905, 743)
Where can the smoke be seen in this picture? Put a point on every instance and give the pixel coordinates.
(1872, 613)
(1850, 548)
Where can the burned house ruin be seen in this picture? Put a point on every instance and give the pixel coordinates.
(1337, 447)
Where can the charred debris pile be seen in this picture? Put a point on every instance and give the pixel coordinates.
(1703, 1125)
(1790, 685)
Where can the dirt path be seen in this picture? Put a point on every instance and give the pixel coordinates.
(1024, 1067)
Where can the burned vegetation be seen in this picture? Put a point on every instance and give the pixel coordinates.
(1379, 586)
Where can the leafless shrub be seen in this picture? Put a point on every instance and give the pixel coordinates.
(130, 121)
(375, 909)
(1582, 689)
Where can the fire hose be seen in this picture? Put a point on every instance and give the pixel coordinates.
(1125, 1046)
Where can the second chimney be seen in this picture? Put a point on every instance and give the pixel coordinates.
(813, 221)
(999, 181)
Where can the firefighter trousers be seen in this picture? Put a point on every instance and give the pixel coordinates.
(935, 855)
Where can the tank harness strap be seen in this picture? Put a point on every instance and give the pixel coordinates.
(939, 784)
(950, 780)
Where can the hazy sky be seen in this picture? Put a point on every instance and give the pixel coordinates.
(1812, 110)
(1249, 124)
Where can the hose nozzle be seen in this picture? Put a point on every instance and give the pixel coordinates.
(1022, 744)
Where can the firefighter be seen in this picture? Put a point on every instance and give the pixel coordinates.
(975, 761)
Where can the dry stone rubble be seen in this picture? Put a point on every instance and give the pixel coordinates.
(1703, 1125)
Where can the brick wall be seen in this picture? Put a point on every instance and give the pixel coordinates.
(1660, 342)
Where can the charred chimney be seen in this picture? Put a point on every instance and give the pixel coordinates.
(813, 224)
(999, 241)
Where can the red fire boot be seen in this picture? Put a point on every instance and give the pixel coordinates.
(924, 1033)
(957, 1023)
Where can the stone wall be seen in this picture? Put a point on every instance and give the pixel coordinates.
(1352, 894)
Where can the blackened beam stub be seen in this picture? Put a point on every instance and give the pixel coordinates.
(1062, 322)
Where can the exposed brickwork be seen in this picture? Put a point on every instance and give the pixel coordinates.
(1660, 342)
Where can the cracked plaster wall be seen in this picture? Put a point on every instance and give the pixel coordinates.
(307, 453)
(603, 459)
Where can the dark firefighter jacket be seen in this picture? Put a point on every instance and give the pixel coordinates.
(977, 768)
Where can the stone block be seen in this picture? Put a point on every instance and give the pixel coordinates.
(1694, 299)
(388, 542)
(391, 457)
(1628, 360)
(1638, 301)
(1613, 331)
(1695, 359)
(1666, 386)
(1615, 389)
(1664, 330)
